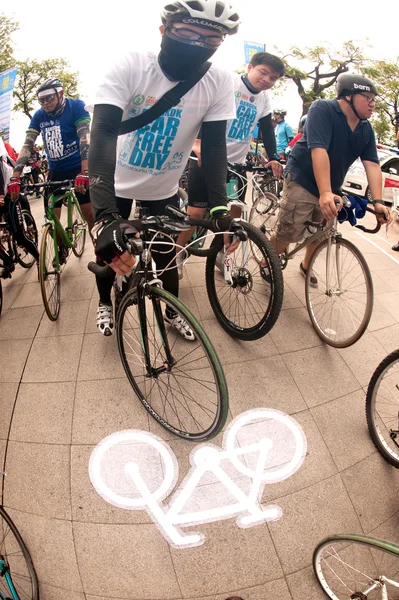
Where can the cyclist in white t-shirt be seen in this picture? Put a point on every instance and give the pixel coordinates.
(146, 164)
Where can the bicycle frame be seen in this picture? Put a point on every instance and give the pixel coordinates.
(64, 234)
(4, 572)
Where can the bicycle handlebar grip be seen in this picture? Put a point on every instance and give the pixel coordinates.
(203, 223)
(102, 271)
(175, 212)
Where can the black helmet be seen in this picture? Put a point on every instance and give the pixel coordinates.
(51, 84)
(349, 84)
(215, 14)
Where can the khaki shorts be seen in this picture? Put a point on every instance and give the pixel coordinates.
(297, 206)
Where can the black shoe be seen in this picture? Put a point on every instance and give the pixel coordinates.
(313, 279)
(62, 254)
(396, 247)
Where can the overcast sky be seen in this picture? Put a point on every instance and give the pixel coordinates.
(90, 35)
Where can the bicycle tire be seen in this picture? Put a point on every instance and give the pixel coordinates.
(381, 420)
(78, 230)
(203, 392)
(350, 299)
(49, 275)
(24, 580)
(266, 299)
(1, 297)
(264, 213)
(258, 193)
(23, 258)
(329, 559)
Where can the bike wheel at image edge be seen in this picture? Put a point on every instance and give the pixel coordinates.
(347, 565)
(15, 553)
(30, 229)
(382, 408)
(249, 307)
(49, 274)
(188, 395)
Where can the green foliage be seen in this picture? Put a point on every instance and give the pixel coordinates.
(7, 28)
(31, 73)
(385, 74)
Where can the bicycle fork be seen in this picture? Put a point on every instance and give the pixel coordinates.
(5, 572)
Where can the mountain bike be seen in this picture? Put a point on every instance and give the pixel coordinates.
(356, 567)
(180, 383)
(73, 237)
(382, 408)
(18, 580)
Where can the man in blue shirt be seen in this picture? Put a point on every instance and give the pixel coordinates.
(337, 132)
(283, 131)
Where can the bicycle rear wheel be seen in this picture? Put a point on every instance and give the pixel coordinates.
(184, 391)
(49, 274)
(347, 566)
(341, 305)
(78, 230)
(248, 307)
(382, 408)
(16, 561)
(24, 259)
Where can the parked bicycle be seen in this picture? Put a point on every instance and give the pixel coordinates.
(181, 384)
(18, 580)
(72, 237)
(356, 567)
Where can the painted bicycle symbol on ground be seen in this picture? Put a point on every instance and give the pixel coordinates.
(136, 470)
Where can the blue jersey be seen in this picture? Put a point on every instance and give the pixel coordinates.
(284, 134)
(60, 138)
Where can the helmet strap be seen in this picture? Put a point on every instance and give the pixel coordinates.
(350, 102)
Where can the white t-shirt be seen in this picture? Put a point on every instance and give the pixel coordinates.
(249, 109)
(150, 160)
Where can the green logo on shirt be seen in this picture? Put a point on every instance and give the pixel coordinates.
(139, 99)
(237, 94)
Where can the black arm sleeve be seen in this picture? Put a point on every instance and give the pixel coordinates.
(102, 158)
(268, 136)
(214, 161)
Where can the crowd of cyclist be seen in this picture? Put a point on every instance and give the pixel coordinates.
(213, 124)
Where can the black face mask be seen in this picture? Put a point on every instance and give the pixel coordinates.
(178, 59)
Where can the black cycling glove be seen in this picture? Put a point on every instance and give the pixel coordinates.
(109, 235)
(221, 218)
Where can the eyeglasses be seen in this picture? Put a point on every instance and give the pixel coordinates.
(193, 36)
(49, 99)
(370, 99)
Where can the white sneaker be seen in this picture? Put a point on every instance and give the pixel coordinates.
(220, 261)
(181, 326)
(105, 319)
(180, 258)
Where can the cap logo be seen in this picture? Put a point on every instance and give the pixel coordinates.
(204, 23)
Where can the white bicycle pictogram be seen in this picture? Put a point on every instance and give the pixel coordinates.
(136, 470)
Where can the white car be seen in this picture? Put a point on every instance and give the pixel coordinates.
(356, 180)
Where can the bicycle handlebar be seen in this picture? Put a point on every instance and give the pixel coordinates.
(377, 227)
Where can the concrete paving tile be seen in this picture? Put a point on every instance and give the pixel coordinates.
(187, 295)
(102, 407)
(71, 320)
(380, 318)
(77, 288)
(293, 331)
(388, 530)
(343, 426)
(308, 516)
(51, 545)
(321, 374)
(26, 487)
(199, 573)
(291, 300)
(363, 357)
(196, 274)
(303, 585)
(376, 474)
(49, 592)
(100, 358)
(141, 552)
(390, 302)
(77, 267)
(53, 402)
(10, 294)
(317, 465)
(204, 308)
(20, 323)
(87, 505)
(3, 445)
(263, 383)
(30, 295)
(91, 317)
(391, 278)
(13, 358)
(276, 590)
(7, 399)
(380, 286)
(53, 359)
(388, 337)
(18, 278)
(376, 262)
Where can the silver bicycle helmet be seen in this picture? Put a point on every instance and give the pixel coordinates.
(215, 14)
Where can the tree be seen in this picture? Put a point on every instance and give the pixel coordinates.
(315, 70)
(385, 75)
(7, 28)
(31, 73)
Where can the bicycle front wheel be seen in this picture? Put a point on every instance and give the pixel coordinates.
(382, 408)
(181, 383)
(30, 230)
(17, 574)
(354, 567)
(341, 303)
(247, 306)
(49, 274)
(78, 226)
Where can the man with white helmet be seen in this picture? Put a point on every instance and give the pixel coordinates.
(146, 164)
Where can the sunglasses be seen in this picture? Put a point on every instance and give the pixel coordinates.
(47, 99)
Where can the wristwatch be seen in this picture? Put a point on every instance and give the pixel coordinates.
(373, 202)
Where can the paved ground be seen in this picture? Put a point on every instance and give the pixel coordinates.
(63, 390)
